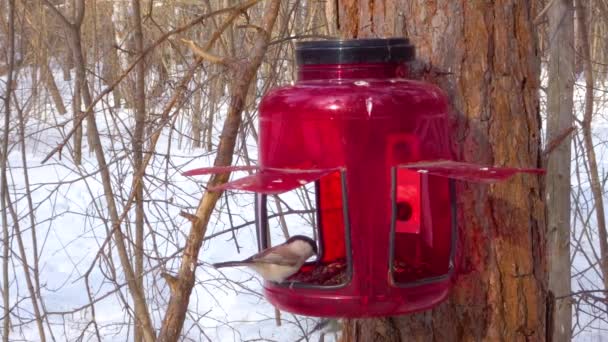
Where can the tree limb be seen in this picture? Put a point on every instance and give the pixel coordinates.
(178, 303)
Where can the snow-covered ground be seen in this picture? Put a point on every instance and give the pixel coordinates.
(72, 226)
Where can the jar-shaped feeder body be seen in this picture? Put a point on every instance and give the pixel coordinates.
(386, 234)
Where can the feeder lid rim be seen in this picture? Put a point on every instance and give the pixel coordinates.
(352, 51)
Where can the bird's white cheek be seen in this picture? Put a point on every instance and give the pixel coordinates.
(303, 249)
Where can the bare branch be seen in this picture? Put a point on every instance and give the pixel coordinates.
(197, 50)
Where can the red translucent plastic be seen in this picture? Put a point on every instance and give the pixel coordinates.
(233, 168)
(272, 182)
(331, 218)
(367, 119)
(268, 181)
(377, 145)
(467, 171)
(423, 241)
(407, 204)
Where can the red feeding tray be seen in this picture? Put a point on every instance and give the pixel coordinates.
(376, 146)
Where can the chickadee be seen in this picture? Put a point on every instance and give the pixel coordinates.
(279, 262)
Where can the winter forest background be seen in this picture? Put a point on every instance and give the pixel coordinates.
(106, 103)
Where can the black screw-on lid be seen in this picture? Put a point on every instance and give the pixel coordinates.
(390, 50)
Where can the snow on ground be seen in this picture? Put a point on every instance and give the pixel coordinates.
(72, 225)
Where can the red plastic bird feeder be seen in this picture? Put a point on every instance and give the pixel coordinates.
(376, 146)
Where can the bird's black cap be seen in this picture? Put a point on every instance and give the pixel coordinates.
(353, 51)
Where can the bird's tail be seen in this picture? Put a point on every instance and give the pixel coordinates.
(231, 264)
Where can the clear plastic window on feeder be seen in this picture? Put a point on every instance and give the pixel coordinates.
(292, 213)
(315, 210)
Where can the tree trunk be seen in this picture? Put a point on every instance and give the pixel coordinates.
(484, 55)
(197, 114)
(212, 107)
(594, 177)
(6, 232)
(138, 136)
(76, 108)
(111, 64)
(559, 121)
(51, 87)
(34, 13)
(180, 296)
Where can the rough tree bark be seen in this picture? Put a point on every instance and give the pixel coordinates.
(559, 122)
(484, 55)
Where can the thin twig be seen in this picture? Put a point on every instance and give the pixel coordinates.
(553, 144)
